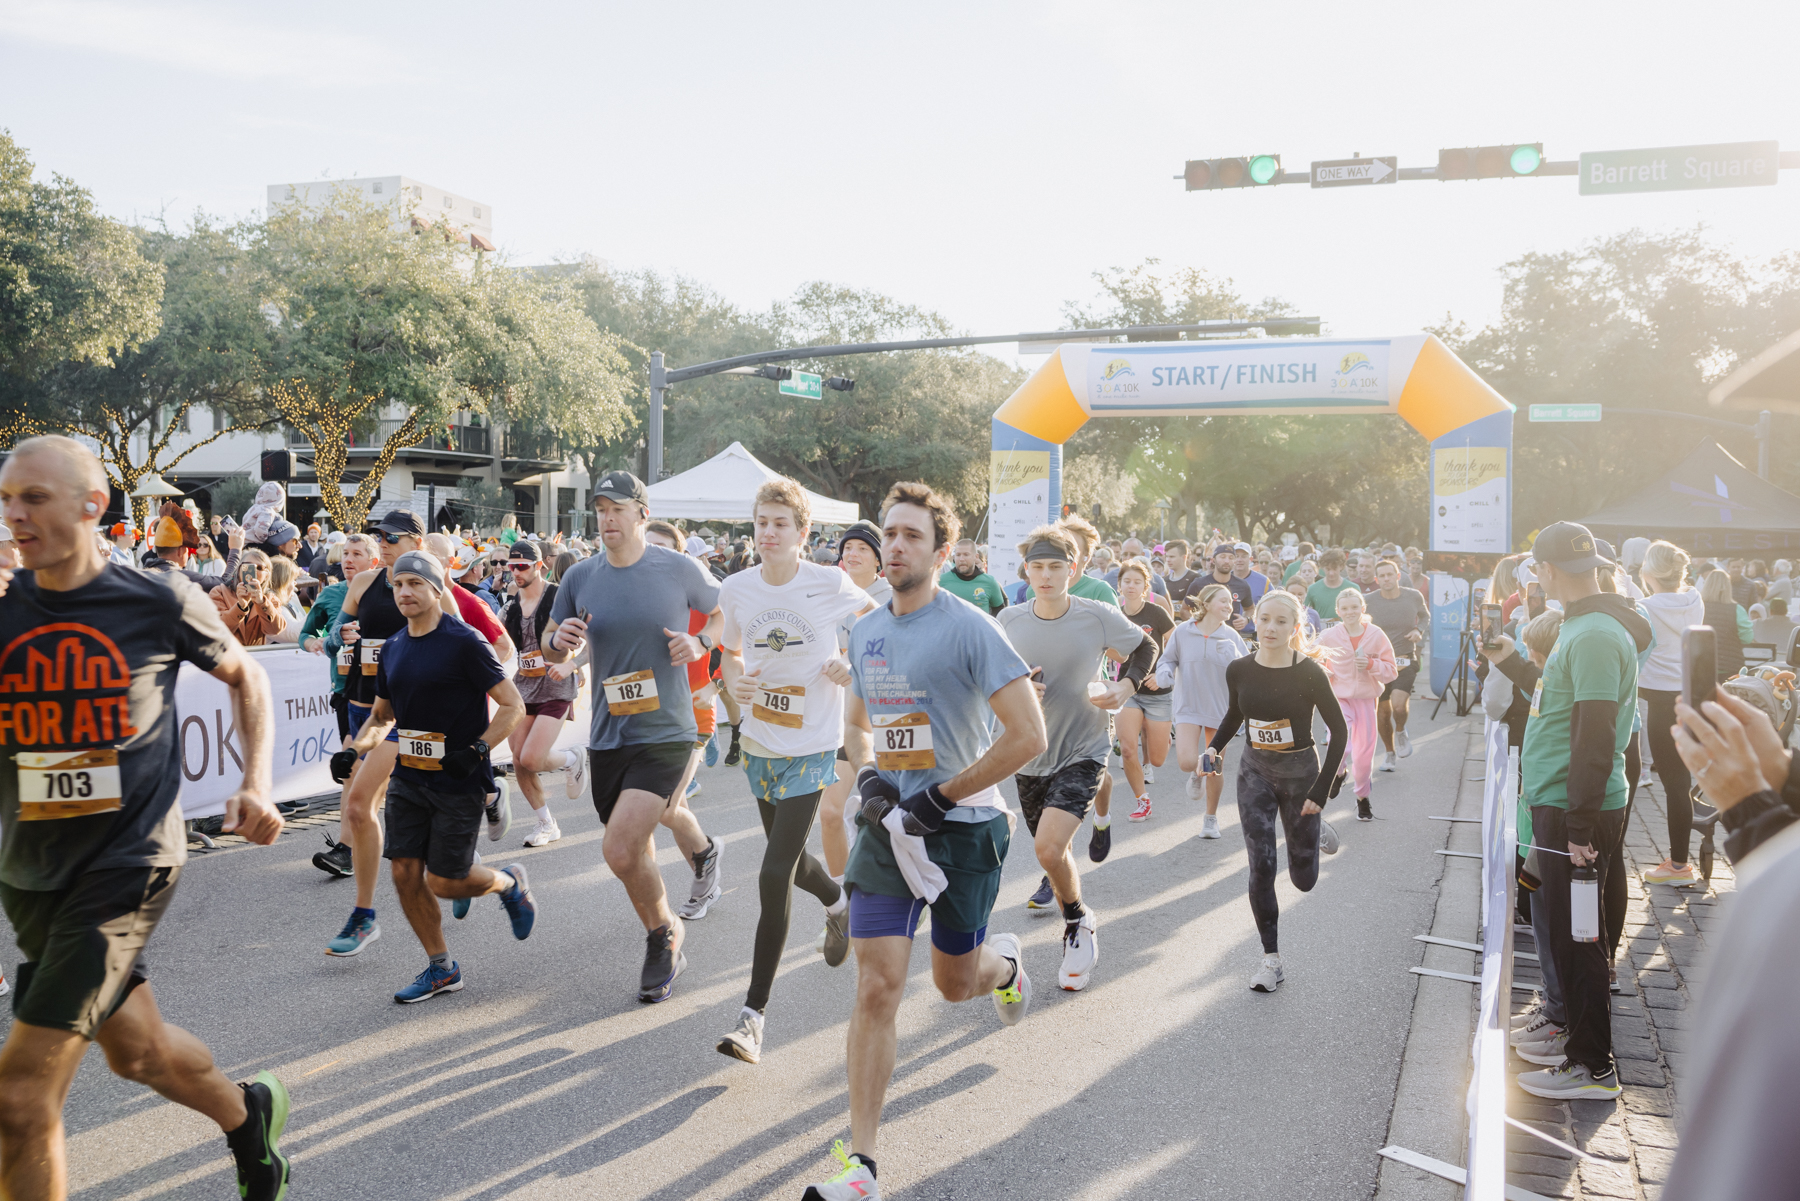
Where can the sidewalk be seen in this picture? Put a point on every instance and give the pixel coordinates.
(1660, 955)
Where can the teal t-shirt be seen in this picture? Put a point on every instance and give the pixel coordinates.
(983, 591)
(1323, 597)
(1094, 589)
(1594, 659)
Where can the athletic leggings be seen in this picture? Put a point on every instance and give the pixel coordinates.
(785, 863)
(1272, 786)
(1666, 761)
(1359, 715)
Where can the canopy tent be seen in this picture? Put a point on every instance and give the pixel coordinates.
(1710, 504)
(723, 488)
(1771, 380)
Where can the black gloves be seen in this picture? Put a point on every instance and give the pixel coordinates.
(342, 764)
(926, 810)
(463, 762)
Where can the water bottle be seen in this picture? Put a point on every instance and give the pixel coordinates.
(1584, 904)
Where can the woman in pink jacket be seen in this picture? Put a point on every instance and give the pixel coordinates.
(1360, 662)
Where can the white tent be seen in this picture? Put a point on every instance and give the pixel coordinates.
(723, 487)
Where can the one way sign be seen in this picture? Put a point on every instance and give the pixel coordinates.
(1355, 172)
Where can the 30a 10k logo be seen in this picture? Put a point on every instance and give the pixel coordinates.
(65, 685)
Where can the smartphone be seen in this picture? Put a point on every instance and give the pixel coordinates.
(1037, 675)
(1699, 666)
(1209, 761)
(1491, 625)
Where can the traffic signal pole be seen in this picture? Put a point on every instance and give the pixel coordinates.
(662, 379)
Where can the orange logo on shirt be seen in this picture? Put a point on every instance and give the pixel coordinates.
(64, 657)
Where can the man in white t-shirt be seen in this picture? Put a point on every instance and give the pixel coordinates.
(780, 659)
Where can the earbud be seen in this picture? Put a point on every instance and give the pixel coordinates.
(91, 507)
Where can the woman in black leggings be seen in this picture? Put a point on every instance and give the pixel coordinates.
(1274, 694)
(1672, 607)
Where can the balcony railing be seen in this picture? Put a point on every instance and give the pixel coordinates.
(466, 439)
(526, 444)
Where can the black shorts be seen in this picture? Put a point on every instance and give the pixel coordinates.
(653, 767)
(1402, 682)
(440, 828)
(1071, 789)
(83, 945)
(842, 755)
(555, 709)
(340, 705)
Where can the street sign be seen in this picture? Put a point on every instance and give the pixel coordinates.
(1355, 172)
(1565, 412)
(803, 384)
(1680, 168)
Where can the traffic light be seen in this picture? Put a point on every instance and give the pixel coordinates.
(1491, 162)
(1205, 174)
(840, 383)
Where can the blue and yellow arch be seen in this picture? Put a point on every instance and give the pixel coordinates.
(1415, 377)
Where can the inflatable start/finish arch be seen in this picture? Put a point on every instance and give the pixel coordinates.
(1416, 377)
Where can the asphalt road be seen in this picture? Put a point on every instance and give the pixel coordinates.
(545, 1078)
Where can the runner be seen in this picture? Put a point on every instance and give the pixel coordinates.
(1087, 587)
(1321, 595)
(431, 690)
(635, 599)
(1192, 669)
(969, 580)
(704, 684)
(1360, 664)
(85, 878)
(358, 555)
(781, 659)
(1274, 695)
(1065, 640)
(859, 556)
(548, 690)
(1241, 570)
(1147, 712)
(928, 673)
(1402, 614)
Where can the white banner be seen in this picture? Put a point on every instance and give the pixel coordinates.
(1262, 375)
(306, 732)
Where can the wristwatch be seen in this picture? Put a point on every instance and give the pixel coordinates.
(706, 644)
(481, 748)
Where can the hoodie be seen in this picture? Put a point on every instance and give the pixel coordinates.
(1670, 614)
(1348, 681)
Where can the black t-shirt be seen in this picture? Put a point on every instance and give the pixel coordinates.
(1155, 621)
(1242, 603)
(438, 685)
(92, 759)
(1277, 704)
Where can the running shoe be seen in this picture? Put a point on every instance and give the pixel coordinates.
(1536, 1030)
(263, 1170)
(1402, 744)
(707, 888)
(1100, 843)
(1209, 827)
(1549, 1051)
(521, 906)
(1612, 980)
(1570, 1082)
(1142, 812)
(430, 982)
(357, 933)
(1522, 1020)
(1081, 951)
(1328, 839)
(5, 986)
(1336, 785)
(662, 964)
(693, 789)
(1044, 897)
(499, 811)
(1668, 872)
(1384, 761)
(334, 860)
(1194, 786)
(711, 755)
(1011, 1001)
(734, 756)
(745, 1040)
(459, 908)
(1149, 773)
(1363, 812)
(575, 773)
(546, 831)
(837, 937)
(1268, 977)
(855, 1183)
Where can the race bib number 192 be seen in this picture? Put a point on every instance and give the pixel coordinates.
(56, 784)
(903, 742)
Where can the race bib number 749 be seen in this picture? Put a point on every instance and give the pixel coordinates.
(56, 784)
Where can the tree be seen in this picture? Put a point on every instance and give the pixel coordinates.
(1636, 320)
(73, 285)
(383, 334)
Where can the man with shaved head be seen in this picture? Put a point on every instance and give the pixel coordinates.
(91, 836)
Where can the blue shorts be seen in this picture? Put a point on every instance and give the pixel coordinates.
(775, 780)
(355, 715)
(873, 915)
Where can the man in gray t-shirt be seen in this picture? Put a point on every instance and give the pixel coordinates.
(631, 606)
(1401, 614)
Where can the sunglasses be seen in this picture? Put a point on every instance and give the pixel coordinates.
(526, 566)
(390, 539)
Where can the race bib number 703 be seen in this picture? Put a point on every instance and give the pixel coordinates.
(57, 784)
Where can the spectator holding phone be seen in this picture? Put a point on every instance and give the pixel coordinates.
(248, 603)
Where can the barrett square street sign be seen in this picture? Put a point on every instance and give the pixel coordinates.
(804, 384)
(1355, 172)
(1680, 168)
(1565, 412)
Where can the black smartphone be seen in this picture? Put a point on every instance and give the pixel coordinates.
(1491, 626)
(1699, 666)
(1037, 675)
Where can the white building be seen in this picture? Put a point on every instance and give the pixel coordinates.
(425, 202)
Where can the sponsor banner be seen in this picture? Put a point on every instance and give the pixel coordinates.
(1471, 487)
(1272, 375)
(1024, 491)
(1449, 601)
(306, 731)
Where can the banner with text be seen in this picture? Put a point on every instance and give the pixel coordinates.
(1024, 492)
(1471, 512)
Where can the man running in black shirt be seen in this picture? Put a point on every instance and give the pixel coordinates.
(91, 836)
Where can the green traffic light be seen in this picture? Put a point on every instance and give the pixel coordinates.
(1526, 159)
(1263, 168)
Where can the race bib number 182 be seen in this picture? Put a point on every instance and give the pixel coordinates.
(634, 692)
(55, 784)
(903, 742)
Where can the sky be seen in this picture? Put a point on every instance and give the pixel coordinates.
(980, 160)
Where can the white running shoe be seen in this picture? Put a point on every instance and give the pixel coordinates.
(1328, 839)
(1570, 1082)
(546, 831)
(1149, 774)
(745, 1040)
(1402, 744)
(1081, 951)
(499, 810)
(1209, 828)
(575, 773)
(1384, 761)
(1194, 791)
(5, 986)
(707, 888)
(854, 1183)
(1013, 1000)
(1268, 976)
